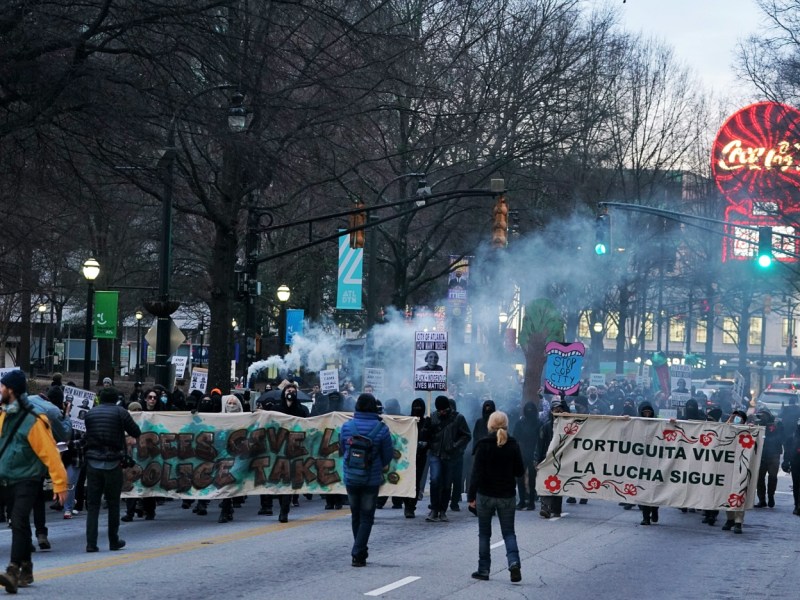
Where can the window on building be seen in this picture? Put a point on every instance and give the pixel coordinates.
(701, 332)
(730, 330)
(754, 336)
(648, 327)
(584, 326)
(612, 326)
(677, 329)
(785, 333)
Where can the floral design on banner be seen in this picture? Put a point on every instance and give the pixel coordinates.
(707, 438)
(736, 500)
(672, 435)
(629, 489)
(746, 440)
(553, 484)
(571, 428)
(594, 484)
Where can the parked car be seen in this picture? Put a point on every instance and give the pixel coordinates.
(774, 400)
(788, 386)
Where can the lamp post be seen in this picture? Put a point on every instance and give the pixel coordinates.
(91, 269)
(162, 307)
(139, 317)
(283, 294)
(42, 308)
(202, 339)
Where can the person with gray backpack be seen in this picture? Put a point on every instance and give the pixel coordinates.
(366, 445)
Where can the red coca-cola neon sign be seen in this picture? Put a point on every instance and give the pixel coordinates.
(755, 162)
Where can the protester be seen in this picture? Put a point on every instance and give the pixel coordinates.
(106, 426)
(362, 488)
(770, 458)
(526, 432)
(449, 436)
(551, 505)
(734, 519)
(791, 464)
(649, 513)
(496, 465)
(289, 405)
(27, 452)
(423, 438)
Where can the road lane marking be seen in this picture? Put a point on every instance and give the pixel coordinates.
(496, 545)
(132, 557)
(392, 586)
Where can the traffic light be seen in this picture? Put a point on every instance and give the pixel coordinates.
(705, 307)
(602, 235)
(764, 256)
(358, 219)
(500, 223)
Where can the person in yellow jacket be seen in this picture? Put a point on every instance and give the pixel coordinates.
(27, 451)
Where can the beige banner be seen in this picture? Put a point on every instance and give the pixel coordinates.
(209, 456)
(657, 462)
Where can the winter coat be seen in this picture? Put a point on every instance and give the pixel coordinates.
(106, 426)
(526, 432)
(495, 468)
(362, 423)
(449, 435)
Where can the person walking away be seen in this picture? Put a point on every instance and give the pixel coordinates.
(770, 458)
(27, 451)
(106, 426)
(363, 474)
(526, 432)
(449, 436)
(497, 464)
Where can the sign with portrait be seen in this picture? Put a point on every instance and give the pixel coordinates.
(81, 402)
(430, 361)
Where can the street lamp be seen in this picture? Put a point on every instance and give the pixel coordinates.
(42, 308)
(597, 327)
(91, 269)
(162, 307)
(139, 317)
(283, 294)
(202, 339)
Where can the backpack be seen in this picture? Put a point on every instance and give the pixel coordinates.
(358, 462)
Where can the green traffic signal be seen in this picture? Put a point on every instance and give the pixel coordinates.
(764, 256)
(600, 248)
(602, 235)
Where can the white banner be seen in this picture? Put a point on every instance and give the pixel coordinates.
(208, 456)
(692, 464)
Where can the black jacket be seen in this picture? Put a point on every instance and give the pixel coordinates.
(526, 432)
(449, 435)
(106, 426)
(495, 468)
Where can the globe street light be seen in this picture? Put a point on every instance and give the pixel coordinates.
(91, 269)
(139, 317)
(283, 294)
(597, 327)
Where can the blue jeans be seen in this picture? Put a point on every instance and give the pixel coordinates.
(487, 505)
(363, 501)
(441, 482)
(72, 478)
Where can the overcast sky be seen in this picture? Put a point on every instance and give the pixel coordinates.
(703, 33)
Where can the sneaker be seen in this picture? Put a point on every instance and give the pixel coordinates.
(433, 517)
(126, 518)
(771, 502)
(92, 549)
(737, 528)
(202, 511)
(654, 515)
(68, 514)
(796, 510)
(409, 513)
(545, 514)
(455, 507)
(516, 572)
(443, 517)
(75, 513)
(645, 522)
(521, 505)
(728, 526)
(44, 543)
(187, 504)
(481, 576)
(268, 511)
(583, 501)
(118, 545)
(571, 500)
(359, 562)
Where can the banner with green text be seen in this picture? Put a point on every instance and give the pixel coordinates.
(209, 456)
(105, 314)
(692, 464)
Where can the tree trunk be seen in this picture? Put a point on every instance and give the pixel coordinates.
(223, 259)
(534, 367)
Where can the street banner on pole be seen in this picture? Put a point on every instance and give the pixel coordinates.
(700, 464)
(294, 324)
(351, 265)
(430, 361)
(105, 314)
(208, 456)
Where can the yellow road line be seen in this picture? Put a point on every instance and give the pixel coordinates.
(128, 558)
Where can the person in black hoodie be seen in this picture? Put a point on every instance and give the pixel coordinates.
(770, 458)
(526, 433)
(289, 405)
(449, 436)
(497, 464)
(713, 414)
(791, 464)
(649, 513)
(551, 505)
(423, 438)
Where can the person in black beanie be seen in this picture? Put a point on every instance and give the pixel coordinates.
(449, 437)
(423, 439)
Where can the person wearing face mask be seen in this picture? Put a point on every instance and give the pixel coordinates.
(423, 439)
(526, 432)
(450, 435)
(735, 518)
(289, 405)
(595, 404)
(231, 405)
(770, 458)
(791, 464)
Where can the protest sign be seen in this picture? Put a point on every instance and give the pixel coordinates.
(81, 402)
(374, 378)
(698, 464)
(329, 381)
(430, 353)
(680, 376)
(199, 380)
(597, 379)
(563, 366)
(208, 455)
(180, 365)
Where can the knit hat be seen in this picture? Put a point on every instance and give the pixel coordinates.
(134, 407)
(108, 396)
(15, 381)
(442, 403)
(107, 381)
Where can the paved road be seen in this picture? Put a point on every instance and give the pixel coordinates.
(595, 551)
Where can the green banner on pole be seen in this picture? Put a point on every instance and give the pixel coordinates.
(105, 314)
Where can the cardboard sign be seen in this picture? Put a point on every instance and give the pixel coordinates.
(430, 361)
